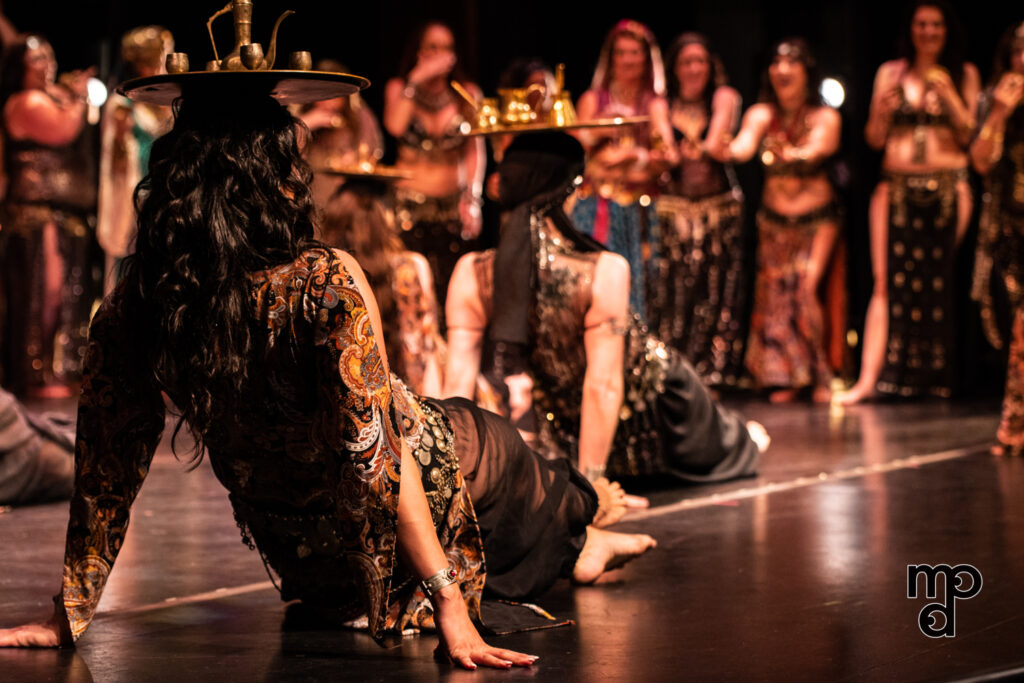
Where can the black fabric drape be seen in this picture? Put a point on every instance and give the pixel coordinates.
(533, 512)
(536, 175)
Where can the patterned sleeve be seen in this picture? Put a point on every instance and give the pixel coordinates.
(119, 427)
(365, 428)
(423, 348)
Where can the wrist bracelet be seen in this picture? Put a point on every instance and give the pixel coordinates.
(592, 473)
(433, 584)
(989, 133)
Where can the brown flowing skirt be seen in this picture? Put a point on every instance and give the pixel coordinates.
(787, 337)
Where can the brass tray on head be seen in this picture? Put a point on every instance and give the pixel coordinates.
(287, 86)
(540, 126)
(367, 171)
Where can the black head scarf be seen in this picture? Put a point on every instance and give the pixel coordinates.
(536, 175)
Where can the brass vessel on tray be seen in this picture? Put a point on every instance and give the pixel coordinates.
(517, 115)
(247, 60)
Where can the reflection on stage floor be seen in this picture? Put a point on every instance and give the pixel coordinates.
(799, 574)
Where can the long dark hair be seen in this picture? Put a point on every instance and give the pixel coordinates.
(227, 195)
(12, 68)
(799, 49)
(1004, 51)
(717, 76)
(952, 57)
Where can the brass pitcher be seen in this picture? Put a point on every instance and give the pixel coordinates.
(515, 105)
(246, 55)
(562, 113)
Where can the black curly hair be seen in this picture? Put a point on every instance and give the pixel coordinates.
(227, 195)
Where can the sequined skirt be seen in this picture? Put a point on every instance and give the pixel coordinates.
(696, 297)
(1011, 425)
(998, 279)
(44, 336)
(921, 268)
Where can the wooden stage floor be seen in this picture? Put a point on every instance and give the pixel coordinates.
(798, 575)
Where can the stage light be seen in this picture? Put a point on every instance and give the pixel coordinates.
(832, 92)
(97, 92)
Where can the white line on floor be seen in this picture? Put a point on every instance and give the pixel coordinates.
(688, 504)
(800, 482)
(189, 599)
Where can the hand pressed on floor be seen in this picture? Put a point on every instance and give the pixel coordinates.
(461, 643)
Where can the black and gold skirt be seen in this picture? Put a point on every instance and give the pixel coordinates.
(921, 267)
(696, 299)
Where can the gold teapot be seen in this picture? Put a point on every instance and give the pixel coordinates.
(247, 54)
(515, 104)
(562, 113)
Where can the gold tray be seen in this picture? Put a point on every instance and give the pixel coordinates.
(541, 126)
(287, 86)
(367, 172)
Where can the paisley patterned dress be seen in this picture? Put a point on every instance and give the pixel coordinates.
(313, 465)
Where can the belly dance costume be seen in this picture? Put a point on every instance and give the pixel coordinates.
(621, 215)
(787, 346)
(432, 226)
(50, 194)
(313, 467)
(696, 295)
(921, 270)
(999, 271)
(669, 426)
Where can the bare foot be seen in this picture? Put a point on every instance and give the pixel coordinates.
(637, 502)
(821, 394)
(858, 393)
(759, 435)
(611, 503)
(782, 396)
(607, 550)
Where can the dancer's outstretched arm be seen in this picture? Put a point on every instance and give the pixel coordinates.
(421, 550)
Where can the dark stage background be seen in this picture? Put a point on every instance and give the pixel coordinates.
(851, 38)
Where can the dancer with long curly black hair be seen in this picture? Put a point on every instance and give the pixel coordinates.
(363, 499)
